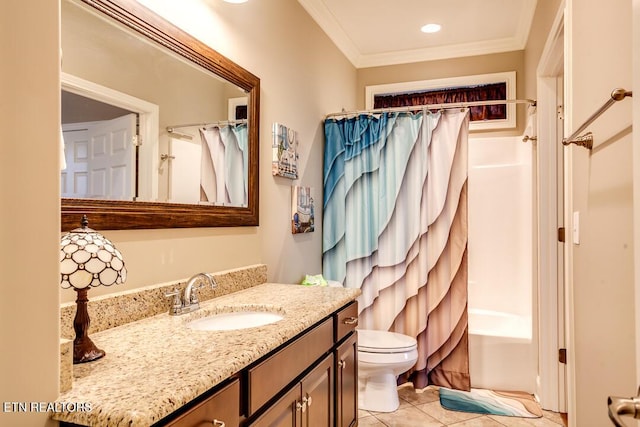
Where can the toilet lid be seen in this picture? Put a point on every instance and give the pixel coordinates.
(371, 341)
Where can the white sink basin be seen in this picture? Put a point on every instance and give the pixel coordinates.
(234, 320)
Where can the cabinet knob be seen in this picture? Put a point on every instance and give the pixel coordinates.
(307, 400)
(301, 406)
(350, 321)
(342, 364)
(219, 423)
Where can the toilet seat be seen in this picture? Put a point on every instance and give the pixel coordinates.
(384, 342)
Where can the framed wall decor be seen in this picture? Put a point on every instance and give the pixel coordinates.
(285, 152)
(302, 210)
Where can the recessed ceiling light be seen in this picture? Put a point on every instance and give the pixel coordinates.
(236, 1)
(431, 28)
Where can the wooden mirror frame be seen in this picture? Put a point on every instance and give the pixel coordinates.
(126, 215)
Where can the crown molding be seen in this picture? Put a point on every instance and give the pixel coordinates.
(328, 23)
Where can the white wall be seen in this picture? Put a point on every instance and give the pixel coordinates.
(601, 350)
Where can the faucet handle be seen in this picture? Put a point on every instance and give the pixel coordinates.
(176, 306)
(194, 294)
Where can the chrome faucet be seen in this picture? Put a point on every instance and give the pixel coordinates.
(189, 301)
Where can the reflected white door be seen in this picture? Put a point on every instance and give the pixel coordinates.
(100, 159)
(74, 178)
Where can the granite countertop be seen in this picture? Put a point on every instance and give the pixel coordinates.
(156, 365)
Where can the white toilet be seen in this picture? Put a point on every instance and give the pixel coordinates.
(382, 356)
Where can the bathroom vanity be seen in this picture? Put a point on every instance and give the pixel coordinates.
(158, 371)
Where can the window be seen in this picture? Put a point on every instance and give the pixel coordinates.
(456, 89)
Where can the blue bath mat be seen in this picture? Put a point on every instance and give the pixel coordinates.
(479, 401)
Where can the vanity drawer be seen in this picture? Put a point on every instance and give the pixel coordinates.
(269, 377)
(346, 320)
(223, 408)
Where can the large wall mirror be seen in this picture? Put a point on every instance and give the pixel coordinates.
(159, 130)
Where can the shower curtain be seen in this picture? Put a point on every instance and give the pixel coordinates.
(395, 226)
(224, 165)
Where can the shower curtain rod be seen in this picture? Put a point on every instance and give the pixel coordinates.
(443, 106)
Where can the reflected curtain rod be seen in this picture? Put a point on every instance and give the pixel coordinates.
(586, 140)
(443, 106)
(170, 129)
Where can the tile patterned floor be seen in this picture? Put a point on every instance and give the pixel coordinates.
(424, 410)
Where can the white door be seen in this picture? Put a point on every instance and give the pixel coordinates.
(100, 159)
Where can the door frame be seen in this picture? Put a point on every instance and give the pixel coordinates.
(551, 386)
(149, 125)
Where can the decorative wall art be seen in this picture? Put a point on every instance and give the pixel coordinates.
(302, 210)
(285, 152)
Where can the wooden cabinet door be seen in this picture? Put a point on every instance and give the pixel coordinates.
(347, 382)
(317, 395)
(284, 413)
(274, 373)
(222, 407)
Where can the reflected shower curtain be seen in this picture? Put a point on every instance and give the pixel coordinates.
(224, 166)
(395, 226)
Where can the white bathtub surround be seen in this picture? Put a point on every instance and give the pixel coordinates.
(395, 216)
(502, 353)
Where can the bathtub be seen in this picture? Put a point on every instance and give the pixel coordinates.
(502, 355)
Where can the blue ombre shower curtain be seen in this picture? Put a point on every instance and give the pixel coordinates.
(395, 226)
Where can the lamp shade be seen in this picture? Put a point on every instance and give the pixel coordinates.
(87, 258)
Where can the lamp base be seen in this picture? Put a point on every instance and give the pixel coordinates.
(84, 350)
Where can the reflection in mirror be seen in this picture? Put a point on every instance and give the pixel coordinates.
(159, 128)
(101, 152)
(220, 148)
(97, 140)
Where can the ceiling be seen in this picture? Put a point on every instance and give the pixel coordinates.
(370, 33)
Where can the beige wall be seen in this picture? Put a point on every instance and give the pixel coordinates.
(635, 47)
(429, 70)
(30, 207)
(543, 18)
(599, 60)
